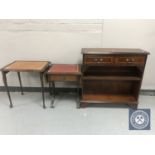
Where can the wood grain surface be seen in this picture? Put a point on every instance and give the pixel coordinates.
(26, 66)
(64, 69)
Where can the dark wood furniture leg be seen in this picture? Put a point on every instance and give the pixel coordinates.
(78, 95)
(83, 104)
(133, 106)
(6, 87)
(20, 82)
(53, 97)
(42, 87)
(50, 92)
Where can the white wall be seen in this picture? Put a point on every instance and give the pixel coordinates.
(60, 41)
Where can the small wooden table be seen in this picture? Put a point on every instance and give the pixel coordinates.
(63, 73)
(25, 66)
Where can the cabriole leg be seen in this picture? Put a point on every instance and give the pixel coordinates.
(20, 82)
(6, 87)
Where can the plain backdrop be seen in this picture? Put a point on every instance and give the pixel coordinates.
(60, 41)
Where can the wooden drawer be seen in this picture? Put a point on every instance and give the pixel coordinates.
(130, 60)
(98, 59)
(63, 78)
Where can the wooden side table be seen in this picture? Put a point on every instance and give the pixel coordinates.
(25, 66)
(64, 73)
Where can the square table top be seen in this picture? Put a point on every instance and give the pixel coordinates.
(26, 66)
(64, 69)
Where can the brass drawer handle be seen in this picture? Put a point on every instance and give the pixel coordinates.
(95, 59)
(130, 60)
(127, 59)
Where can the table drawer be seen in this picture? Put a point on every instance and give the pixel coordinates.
(98, 59)
(130, 60)
(63, 78)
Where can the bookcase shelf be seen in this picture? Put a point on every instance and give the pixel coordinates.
(112, 78)
(112, 75)
(109, 98)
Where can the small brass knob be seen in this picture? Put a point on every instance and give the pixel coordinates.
(127, 59)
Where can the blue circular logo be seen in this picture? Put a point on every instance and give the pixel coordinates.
(139, 119)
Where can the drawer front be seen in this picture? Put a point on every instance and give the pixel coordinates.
(62, 78)
(130, 60)
(98, 59)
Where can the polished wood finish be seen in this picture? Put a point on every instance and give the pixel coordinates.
(109, 59)
(64, 73)
(112, 75)
(95, 59)
(113, 51)
(26, 66)
(109, 98)
(63, 78)
(70, 69)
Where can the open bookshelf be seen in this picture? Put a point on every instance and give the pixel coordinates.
(112, 77)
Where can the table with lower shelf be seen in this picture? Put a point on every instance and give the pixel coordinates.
(25, 66)
(112, 75)
(64, 73)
